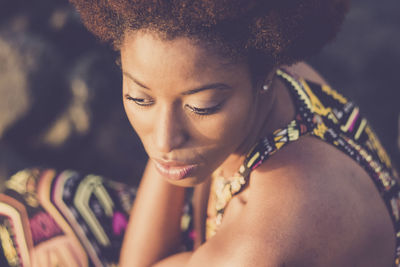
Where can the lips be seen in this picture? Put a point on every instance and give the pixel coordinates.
(174, 170)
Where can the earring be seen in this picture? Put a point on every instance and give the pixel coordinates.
(267, 85)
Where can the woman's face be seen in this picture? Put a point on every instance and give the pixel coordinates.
(190, 108)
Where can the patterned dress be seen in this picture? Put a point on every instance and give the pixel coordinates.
(325, 114)
(50, 218)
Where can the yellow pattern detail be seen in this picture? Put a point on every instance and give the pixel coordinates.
(353, 115)
(185, 220)
(332, 117)
(280, 132)
(293, 133)
(279, 144)
(376, 145)
(298, 89)
(18, 181)
(20, 239)
(328, 90)
(320, 130)
(24, 182)
(93, 185)
(251, 161)
(278, 138)
(384, 177)
(319, 108)
(360, 129)
(9, 251)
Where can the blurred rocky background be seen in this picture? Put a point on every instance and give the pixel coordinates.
(60, 96)
(60, 90)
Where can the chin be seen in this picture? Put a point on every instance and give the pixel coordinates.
(187, 182)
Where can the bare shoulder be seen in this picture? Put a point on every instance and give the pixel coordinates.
(328, 206)
(308, 205)
(304, 70)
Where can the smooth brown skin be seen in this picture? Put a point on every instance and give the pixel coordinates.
(308, 205)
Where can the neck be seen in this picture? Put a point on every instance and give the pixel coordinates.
(273, 110)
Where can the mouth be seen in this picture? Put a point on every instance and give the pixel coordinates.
(174, 170)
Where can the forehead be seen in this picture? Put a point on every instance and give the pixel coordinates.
(147, 52)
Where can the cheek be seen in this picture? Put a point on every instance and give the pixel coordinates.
(141, 123)
(237, 122)
(229, 127)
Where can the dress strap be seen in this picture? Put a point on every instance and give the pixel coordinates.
(303, 123)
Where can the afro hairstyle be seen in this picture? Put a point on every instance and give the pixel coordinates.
(267, 33)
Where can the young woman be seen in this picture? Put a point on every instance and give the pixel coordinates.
(285, 170)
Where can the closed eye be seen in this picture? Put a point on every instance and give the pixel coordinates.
(144, 102)
(204, 111)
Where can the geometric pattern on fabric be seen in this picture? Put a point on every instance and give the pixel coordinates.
(50, 218)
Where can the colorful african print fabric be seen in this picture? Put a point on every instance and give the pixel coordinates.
(67, 219)
(327, 115)
(50, 218)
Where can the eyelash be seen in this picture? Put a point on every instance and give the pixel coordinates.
(204, 111)
(139, 101)
(196, 111)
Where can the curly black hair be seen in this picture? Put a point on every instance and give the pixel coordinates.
(267, 33)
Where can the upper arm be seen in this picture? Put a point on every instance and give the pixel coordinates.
(267, 231)
(263, 235)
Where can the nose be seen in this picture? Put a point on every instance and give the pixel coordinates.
(168, 131)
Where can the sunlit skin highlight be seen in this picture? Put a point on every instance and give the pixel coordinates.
(187, 104)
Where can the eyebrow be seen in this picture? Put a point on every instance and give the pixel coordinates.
(218, 86)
